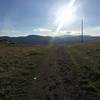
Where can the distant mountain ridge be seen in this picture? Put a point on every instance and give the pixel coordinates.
(36, 39)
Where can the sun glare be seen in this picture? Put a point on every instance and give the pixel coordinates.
(65, 15)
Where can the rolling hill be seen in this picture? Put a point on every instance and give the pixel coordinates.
(36, 39)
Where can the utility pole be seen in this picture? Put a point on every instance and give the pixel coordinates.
(82, 31)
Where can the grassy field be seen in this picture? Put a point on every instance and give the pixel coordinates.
(18, 67)
(20, 64)
(86, 59)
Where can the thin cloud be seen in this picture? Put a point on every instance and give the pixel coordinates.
(98, 27)
(50, 32)
(42, 30)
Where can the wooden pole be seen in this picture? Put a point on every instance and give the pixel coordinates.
(82, 31)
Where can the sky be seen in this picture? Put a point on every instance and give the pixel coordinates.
(39, 17)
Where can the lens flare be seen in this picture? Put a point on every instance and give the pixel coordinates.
(65, 14)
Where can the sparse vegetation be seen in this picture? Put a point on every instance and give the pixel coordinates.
(19, 64)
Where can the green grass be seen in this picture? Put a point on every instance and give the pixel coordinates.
(19, 64)
(86, 64)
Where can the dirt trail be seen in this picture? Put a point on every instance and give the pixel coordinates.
(56, 80)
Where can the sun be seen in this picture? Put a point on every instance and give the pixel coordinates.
(65, 15)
